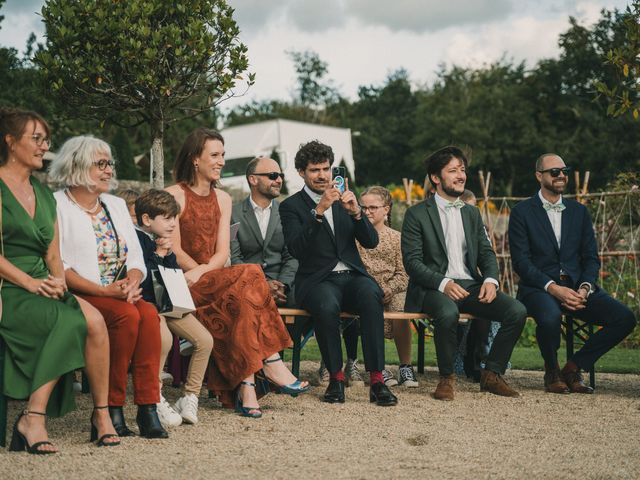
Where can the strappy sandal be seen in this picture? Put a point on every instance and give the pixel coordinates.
(19, 441)
(246, 411)
(293, 389)
(94, 432)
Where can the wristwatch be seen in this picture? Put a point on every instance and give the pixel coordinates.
(588, 287)
(316, 215)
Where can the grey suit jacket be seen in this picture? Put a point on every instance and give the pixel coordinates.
(271, 253)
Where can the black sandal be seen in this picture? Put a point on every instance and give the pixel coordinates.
(19, 441)
(94, 433)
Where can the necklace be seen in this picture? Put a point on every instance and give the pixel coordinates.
(93, 211)
(22, 190)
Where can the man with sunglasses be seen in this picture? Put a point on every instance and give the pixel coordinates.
(554, 251)
(260, 239)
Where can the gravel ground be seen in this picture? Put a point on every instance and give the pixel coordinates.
(477, 436)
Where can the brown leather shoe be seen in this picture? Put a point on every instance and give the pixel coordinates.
(445, 388)
(573, 379)
(494, 383)
(553, 382)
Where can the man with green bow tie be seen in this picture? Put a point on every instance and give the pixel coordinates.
(452, 269)
(554, 252)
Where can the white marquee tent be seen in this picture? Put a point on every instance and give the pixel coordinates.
(284, 137)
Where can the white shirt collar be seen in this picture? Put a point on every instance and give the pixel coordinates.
(254, 205)
(544, 200)
(150, 235)
(441, 202)
(314, 196)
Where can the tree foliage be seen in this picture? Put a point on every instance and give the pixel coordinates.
(142, 61)
(624, 93)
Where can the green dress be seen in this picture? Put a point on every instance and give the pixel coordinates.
(44, 337)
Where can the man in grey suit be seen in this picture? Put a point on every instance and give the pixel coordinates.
(260, 239)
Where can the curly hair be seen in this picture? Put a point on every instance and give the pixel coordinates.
(313, 152)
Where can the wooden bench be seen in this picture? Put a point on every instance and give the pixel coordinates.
(300, 326)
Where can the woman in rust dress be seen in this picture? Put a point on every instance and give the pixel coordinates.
(233, 303)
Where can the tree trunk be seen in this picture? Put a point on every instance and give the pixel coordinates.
(157, 156)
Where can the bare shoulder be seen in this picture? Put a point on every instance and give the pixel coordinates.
(223, 197)
(177, 193)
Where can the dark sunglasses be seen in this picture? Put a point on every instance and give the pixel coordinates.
(271, 175)
(555, 172)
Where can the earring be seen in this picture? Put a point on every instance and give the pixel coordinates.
(196, 167)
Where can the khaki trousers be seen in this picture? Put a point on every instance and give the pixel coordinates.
(189, 328)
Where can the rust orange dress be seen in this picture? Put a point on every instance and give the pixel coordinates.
(233, 303)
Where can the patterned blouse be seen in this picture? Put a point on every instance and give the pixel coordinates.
(384, 264)
(108, 262)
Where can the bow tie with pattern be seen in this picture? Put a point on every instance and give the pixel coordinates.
(553, 207)
(457, 204)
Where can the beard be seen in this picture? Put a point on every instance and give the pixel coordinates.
(269, 192)
(555, 187)
(451, 190)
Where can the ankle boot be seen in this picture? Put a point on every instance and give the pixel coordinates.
(149, 423)
(117, 418)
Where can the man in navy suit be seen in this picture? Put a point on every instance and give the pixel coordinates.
(554, 251)
(321, 224)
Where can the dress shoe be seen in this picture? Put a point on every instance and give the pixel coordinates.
(149, 423)
(445, 388)
(334, 392)
(493, 382)
(381, 394)
(117, 418)
(553, 382)
(573, 379)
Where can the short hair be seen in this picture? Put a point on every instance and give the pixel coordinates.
(183, 168)
(384, 194)
(467, 195)
(252, 165)
(156, 202)
(313, 152)
(540, 159)
(13, 121)
(129, 196)
(440, 158)
(70, 167)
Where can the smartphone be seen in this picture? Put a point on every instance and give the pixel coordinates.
(338, 174)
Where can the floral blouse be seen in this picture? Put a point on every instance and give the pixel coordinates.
(108, 262)
(384, 264)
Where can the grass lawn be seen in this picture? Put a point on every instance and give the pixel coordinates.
(618, 360)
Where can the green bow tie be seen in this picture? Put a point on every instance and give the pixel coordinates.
(457, 204)
(553, 207)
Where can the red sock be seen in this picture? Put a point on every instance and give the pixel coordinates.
(339, 375)
(375, 377)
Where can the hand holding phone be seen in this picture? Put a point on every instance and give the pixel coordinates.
(338, 175)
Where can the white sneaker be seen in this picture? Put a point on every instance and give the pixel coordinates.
(389, 379)
(187, 406)
(167, 415)
(407, 376)
(352, 374)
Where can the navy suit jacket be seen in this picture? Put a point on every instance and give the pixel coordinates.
(535, 254)
(315, 245)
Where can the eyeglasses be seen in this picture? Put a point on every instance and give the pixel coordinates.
(555, 172)
(40, 139)
(271, 175)
(103, 164)
(372, 208)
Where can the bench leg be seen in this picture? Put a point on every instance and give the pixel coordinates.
(421, 332)
(85, 383)
(569, 336)
(592, 372)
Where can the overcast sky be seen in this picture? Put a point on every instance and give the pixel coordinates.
(365, 40)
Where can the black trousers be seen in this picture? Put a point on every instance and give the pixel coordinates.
(445, 313)
(354, 293)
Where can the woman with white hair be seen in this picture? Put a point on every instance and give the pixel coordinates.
(104, 265)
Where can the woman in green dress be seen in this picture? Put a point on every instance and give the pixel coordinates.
(47, 331)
